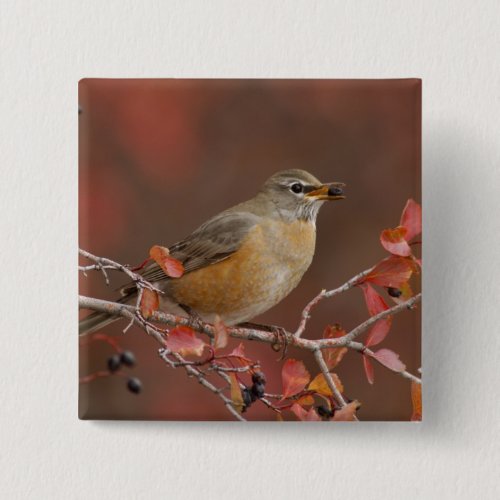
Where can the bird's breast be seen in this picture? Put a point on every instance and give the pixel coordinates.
(268, 265)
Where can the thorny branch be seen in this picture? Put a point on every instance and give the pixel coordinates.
(175, 360)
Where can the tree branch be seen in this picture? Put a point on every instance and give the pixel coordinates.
(133, 314)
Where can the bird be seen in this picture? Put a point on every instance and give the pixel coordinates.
(244, 260)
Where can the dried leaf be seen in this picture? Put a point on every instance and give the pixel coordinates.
(236, 396)
(392, 272)
(171, 267)
(320, 385)
(334, 355)
(294, 376)
(220, 334)
(347, 413)
(184, 341)
(416, 399)
(411, 219)
(150, 302)
(368, 366)
(394, 241)
(390, 360)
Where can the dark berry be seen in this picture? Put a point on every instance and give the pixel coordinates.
(324, 412)
(114, 363)
(394, 292)
(134, 385)
(258, 378)
(258, 390)
(127, 358)
(247, 397)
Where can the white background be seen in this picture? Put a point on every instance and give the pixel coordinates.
(47, 46)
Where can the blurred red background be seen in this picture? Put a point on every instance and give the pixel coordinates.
(159, 157)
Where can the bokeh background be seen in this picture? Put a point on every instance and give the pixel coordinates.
(159, 157)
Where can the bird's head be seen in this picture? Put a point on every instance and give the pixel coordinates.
(297, 194)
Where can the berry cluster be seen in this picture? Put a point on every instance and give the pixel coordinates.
(125, 358)
(256, 391)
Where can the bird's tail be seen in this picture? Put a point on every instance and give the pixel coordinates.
(98, 320)
(94, 322)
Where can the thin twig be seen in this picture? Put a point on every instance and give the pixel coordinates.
(318, 355)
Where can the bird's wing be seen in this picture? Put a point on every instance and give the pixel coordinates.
(212, 242)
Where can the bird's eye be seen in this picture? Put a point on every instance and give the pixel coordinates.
(297, 187)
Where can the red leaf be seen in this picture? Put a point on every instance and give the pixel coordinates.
(378, 332)
(171, 267)
(236, 396)
(239, 351)
(183, 340)
(334, 355)
(149, 303)
(411, 219)
(295, 377)
(416, 400)
(347, 413)
(368, 366)
(220, 334)
(391, 272)
(394, 241)
(390, 360)
(374, 302)
(305, 416)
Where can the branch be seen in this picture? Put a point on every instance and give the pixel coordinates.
(318, 355)
(133, 314)
(325, 295)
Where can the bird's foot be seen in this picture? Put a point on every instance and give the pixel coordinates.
(194, 320)
(281, 335)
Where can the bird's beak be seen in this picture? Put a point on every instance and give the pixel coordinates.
(330, 191)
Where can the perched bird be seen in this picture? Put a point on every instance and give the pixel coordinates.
(244, 260)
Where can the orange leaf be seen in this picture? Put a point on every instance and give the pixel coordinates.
(390, 360)
(368, 366)
(394, 241)
(183, 340)
(305, 416)
(149, 303)
(416, 399)
(305, 400)
(236, 396)
(392, 272)
(220, 334)
(334, 355)
(295, 377)
(171, 267)
(347, 413)
(320, 385)
(411, 219)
